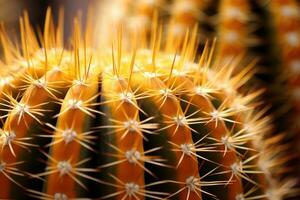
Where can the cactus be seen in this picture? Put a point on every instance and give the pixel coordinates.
(267, 31)
(144, 122)
(286, 22)
(233, 29)
(184, 15)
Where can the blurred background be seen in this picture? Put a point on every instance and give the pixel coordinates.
(11, 10)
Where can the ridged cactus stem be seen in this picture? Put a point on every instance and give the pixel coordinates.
(179, 135)
(185, 14)
(233, 28)
(286, 24)
(70, 138)
(285, 16)
(22, 118)
(215, 123)
(128, 137)
(150, 124)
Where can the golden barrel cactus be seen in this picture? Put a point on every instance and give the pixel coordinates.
(146, 120)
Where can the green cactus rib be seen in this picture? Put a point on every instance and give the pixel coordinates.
(147, 124)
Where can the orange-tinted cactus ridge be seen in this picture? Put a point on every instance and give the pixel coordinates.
(21, 117)
(217, 129)
(19, 74)
(129, 137)
(286, 15)
(185, 14)
(182, 14)
(233, 28)
(179, 133)
(131, 112)
(72, 129)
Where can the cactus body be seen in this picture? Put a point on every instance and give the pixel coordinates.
(143, 123)
(267, 30)
(233, 31)
(286, 25)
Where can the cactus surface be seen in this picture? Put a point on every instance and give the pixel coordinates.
(265, 31)
(148, 120)
(286, 24)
